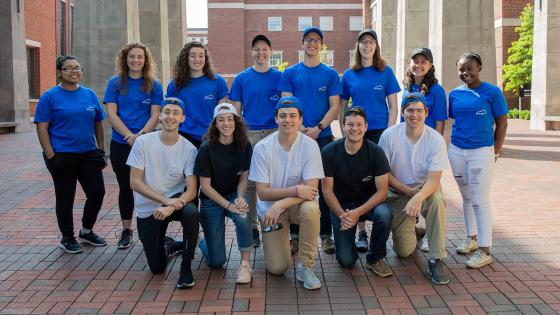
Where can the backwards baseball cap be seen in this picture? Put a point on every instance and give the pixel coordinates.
(224, 108)
(312, 29)
(173, 101)
(414, 97)
(367, 32)
(426, 52)
(288, 102)
(261, 37)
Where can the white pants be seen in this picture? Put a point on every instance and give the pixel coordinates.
(473, 170)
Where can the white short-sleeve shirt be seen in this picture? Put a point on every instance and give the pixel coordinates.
(165, 168)
(410, 163)
(273, 165)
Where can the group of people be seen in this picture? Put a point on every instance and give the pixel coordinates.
(263, 155)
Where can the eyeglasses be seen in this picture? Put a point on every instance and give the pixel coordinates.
(70, 70)
(312, 40)
(354, 110)
(367, 42)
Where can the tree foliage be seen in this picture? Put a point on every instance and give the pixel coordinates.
(517, 70)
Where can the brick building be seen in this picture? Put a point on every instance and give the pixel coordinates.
(197, 34)
(232, 26)
(48, 25)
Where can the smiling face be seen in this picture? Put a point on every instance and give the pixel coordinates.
(70, 72)
(261, 53)
(419, 66)
(367, 46)
(197, 58)
(171, 117)
(289, 120)
(312, 44)
(135, 60)
(468, 70)
(225, 124)
(415, 115)
(355, 127)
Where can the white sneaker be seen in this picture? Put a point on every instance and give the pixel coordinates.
(467, 246)
(306, 275)
(424, 244)
(478, 259)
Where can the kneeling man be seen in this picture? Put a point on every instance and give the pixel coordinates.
(417, 156)
(355, 188)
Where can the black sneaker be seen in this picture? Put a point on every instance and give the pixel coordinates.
(172, 247)
(92, 239)
(256, 238)
(186, 279)
(420, 232)
(362, 244)
(126, 238)
(70, 245)
(436, 273)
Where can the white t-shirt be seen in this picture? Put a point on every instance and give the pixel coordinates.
(165, 168)
(273, 165)
(410, 163)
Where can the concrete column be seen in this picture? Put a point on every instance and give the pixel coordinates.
(457, 27)
(386, 28)
(14, 90)
(545, 94)
(177, 28)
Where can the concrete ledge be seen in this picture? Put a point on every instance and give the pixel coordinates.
(552, 118)
(8, 124)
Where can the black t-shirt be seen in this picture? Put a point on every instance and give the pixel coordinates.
(354, 175)
(223, 164)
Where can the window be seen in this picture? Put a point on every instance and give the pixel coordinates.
(327, 57)
(274, 23)
(304, 22)
(356, 23)
(276, 59)
(374, 13)
(326, 23)
(33, 71)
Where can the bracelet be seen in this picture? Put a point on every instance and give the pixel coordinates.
(229, 204)
(295, 192)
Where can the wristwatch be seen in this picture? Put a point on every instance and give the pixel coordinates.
(320, 126)
(141, 132)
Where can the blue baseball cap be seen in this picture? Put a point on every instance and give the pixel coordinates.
(288, 102)
(414, 97)
(312, 29)
(173, 101)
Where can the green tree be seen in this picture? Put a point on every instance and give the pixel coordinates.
(517, 70)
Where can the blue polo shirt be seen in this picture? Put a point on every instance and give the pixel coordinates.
(437, 103)
(133, 108)
(200, 96)
(475, 111)
(258, 93)
(369, 89)
(313, 86)
(71, 116)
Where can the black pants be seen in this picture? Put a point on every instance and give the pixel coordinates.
(119, 155)
(192, 140)
(68, 168)
(151, 232)
(374, 135)
(326, 225)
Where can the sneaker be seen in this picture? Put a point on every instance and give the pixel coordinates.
(244, 272)
(467, 246)
(328, 245)
(70, 245)
(362, 244)
(380, 268)
(436, 273)
(294, 246)
(309, 279)
(478, 259)
(424, 245)
(420, 232)
(126, 237)
(92, 239)
(186, 280)
(172, 247)
(256, 238)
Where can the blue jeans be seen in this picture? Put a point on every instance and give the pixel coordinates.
(212, 219)
(346, 253)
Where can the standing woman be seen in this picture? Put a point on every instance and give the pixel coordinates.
(199, 87)
(133, 97)
(69, 121)
(420, 77)
(475, 146)
(222, 165)
(372, 85)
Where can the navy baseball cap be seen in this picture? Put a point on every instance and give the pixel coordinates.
(312, 29)
(426, 52)
(288, 102)
(367, 32)
(173, 101)
(261, 38)
(414, 97)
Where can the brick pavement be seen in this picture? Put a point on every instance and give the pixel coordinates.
(37, 277)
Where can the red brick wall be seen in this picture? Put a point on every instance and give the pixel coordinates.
(40, 27)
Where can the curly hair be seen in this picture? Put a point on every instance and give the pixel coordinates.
(379, 63)
(181, 69)
(239, 134)
(470, 56)
(148, 71)
(427, 82)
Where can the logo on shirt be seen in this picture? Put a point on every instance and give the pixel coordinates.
(379, 87)
(147, 101)
(323, 89)
(481, 112)
(274, 98)
(90, 109)
(209, 97)
(367, 178)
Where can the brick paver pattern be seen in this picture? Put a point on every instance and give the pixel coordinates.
(38, 277)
